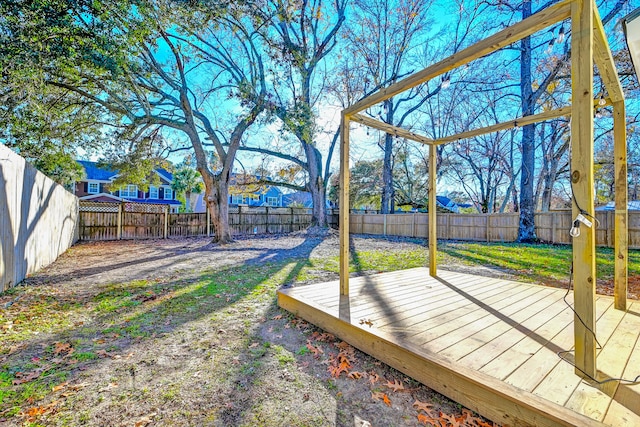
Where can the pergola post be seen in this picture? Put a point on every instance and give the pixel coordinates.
(621, 233)
(584, 260)
(433, 237)
(344, 204)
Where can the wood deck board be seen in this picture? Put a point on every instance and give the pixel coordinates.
(528, 320)
(559, 385)
(489, 344)
(420, 316)
(462, 325)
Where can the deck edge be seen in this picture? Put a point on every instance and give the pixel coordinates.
(488, 396)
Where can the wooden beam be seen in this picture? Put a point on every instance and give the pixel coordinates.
(621, 231)
(390, 129)
(526, 120)
(604, 60)
(344, 204)
(433, 236)
(522, 29)
(584, 265)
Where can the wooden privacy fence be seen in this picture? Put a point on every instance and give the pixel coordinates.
(113, 221)
(38, 219)
(551, 227)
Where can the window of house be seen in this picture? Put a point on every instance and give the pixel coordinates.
(272, 201)
(236, 199)
(153, 192)
(168, 193)
(130, 191)
(93, 188)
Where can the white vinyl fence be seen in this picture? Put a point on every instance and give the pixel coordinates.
(38, 219)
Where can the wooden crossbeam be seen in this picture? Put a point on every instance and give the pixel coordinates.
(526, 120)
(604, 60)
(390, 129)
(522, 29)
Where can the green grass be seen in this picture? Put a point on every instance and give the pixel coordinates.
(531, 262)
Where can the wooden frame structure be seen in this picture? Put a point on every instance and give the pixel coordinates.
(588, 46)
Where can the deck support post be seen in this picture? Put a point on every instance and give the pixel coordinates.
(584, 265)
(621, 233)
(344, 204)
(433, 236)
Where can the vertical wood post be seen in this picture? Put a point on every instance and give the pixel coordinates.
(267, 221)
(384, 224)
(119, 223)
(433, 236)
(208, 218)
(413, 225)
(488, 227)
(344, 205)
(621, 227)
(584, 266)
(165, 234)
(554, 218)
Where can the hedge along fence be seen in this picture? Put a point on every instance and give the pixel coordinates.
(552, 227)
(38, 219)
(113, 221)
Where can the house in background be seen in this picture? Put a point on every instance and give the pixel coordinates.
(97, 183)
(302, 199)
(264, 196)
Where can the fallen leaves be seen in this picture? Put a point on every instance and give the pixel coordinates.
(396, 385)
(147, 419)
(428, 417)
(381, 396)
(316, 350)
(33, 413)
(25, 377)
(367, 322)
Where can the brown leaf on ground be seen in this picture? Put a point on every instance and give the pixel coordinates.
(317, 351)
(33, 413)
(381, 396)
(448, 420)
(356, 375)
(427, 420)
(25, 377)
(278, 317)
(60, 386)
(396, 385)
(142, 422)
(373, 377)
(62, 348)
(424, 406)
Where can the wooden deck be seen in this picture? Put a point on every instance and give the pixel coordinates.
(489, 344)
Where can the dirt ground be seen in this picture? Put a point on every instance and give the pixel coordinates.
(176, 354)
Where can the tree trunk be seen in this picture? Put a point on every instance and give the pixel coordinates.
(526, 229)
(386, 203)
(216, 195)
(315, 186)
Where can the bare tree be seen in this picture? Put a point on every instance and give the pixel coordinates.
(300, 36)
(181, 65)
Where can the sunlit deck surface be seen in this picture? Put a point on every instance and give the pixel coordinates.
(489, 344)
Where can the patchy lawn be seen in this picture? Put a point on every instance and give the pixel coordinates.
(182, 332)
